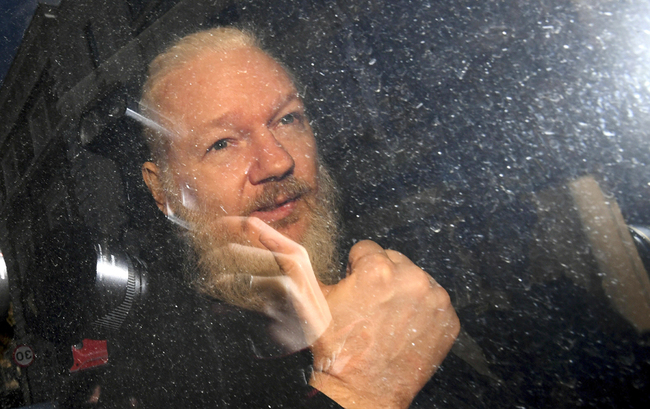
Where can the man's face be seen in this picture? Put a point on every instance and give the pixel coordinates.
(240, 145)
(238, 129)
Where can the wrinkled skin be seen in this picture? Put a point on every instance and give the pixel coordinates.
(392, 326)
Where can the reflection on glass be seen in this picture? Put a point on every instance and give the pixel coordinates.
(5, 295)
(118, 284)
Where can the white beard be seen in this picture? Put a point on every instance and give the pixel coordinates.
(223, 271)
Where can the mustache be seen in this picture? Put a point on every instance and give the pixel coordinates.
(289, 188)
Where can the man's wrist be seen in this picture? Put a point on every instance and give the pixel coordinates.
(347, 396)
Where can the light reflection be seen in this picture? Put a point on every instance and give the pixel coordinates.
(119, 282)
(5, 296)
(3, 268)
(147, 122)
(109, 269)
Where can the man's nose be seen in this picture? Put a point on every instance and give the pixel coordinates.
(271, 160)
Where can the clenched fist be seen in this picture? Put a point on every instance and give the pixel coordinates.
(392, 326)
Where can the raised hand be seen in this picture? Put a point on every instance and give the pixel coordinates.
(392, 326)
(377, 336)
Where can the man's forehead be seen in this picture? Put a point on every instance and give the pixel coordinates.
(231, 117)
(225, 69)
(222, 91)
(244, 75)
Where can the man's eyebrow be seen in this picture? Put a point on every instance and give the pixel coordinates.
(225, 120)
(222, 121)
(286, 100)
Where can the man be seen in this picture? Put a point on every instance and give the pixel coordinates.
(235, 162)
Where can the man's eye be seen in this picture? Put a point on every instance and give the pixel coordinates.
(218, 145)
(288, 119)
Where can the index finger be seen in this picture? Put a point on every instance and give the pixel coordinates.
(294, 262)
(292, 258)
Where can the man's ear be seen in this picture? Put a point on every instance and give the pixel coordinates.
(151, 176)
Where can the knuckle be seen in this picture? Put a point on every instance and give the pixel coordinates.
(250, 224)
(421, 281)
(374, 274)
(375, 266)
(452, 326)
(291, 247)
(301, 256)
(455, 326)
(301, 251)
(442, 298)
(417, 283)
(374, 259)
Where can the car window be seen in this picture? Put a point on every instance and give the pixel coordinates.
(502, 146)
